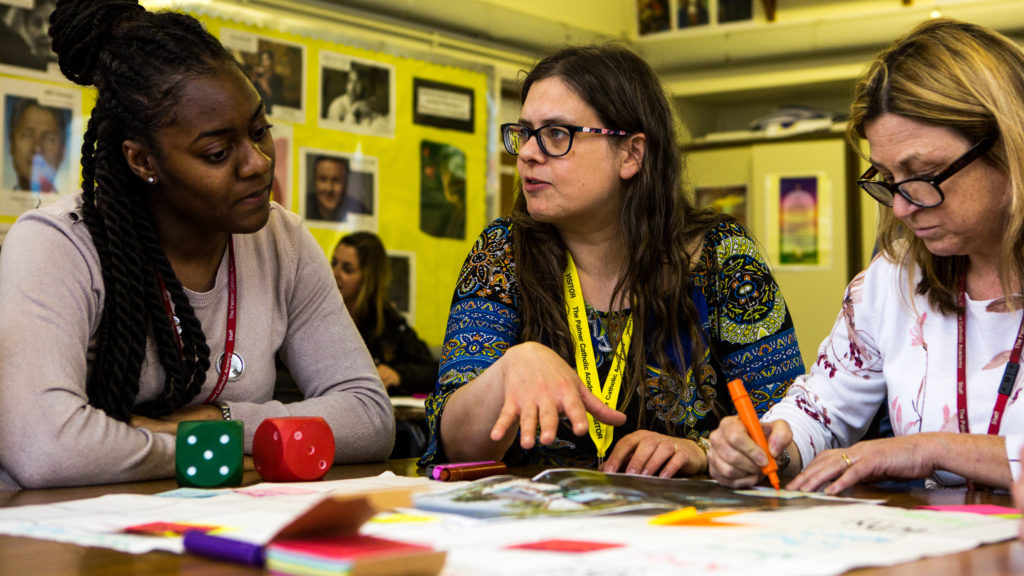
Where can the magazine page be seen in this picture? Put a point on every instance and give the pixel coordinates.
(577, 491)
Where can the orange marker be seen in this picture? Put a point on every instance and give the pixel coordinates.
(745, 410)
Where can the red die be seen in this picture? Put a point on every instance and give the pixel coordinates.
(292, 449)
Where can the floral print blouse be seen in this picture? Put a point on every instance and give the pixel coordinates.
(890, 346)
(746, 325)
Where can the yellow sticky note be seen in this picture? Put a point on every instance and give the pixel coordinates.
(674, 516)
(400, 518)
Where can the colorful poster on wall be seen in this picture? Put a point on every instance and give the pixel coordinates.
(25, 39)
(39, 143)
(798, 221)
(442, 105)
(442, 190)
(731, 200)
(276, 68)
(340, 190)
(357, 95)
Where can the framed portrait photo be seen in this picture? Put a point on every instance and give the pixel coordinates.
(41, 141)
(338, 190)
(276, 68)
(25, 40)
(357, 95)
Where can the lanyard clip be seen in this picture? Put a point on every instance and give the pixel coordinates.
(1009, 377)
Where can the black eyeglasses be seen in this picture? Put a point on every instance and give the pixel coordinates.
(554, 139)
(924, 191)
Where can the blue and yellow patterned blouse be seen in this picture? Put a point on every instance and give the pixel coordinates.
(746, 324)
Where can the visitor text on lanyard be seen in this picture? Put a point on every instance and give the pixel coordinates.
(586, 362)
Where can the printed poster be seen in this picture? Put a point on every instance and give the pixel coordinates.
(798, 221)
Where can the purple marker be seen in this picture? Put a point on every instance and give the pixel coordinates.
(436, 472)
(220, 548)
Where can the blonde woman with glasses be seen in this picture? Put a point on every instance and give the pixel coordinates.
(933, 328)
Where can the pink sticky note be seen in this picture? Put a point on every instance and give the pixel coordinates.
(565, 546)
(989, 509)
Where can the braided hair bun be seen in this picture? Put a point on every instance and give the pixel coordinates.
(81, 30)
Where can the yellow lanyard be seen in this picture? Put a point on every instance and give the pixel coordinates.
(586, 365)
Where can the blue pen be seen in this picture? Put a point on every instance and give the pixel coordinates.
(220, 548)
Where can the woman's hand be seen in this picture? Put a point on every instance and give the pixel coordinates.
(735, 460)
(540, 387)
(903, 458)
(650, 452)
(169, 424)
(388, 376)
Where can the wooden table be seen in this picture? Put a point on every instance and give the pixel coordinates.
(29, 557)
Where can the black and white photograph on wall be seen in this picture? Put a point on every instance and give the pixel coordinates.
(276, 68)
(356, 95)
(442, 105)
(403, 283)
(40, 145)
(442, 190)
(339, 190)
(24, 37)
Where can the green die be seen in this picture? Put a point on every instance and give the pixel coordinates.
(208, 453)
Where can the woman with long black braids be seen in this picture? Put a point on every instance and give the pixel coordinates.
(118, 305)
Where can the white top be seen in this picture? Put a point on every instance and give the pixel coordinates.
(51, 301)
(889, 347)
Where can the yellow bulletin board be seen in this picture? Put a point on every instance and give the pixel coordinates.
(406, 155)
(399, 164)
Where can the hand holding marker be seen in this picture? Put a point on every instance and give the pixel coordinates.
(747, 414)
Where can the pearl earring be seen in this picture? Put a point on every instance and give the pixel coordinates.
(151, 180)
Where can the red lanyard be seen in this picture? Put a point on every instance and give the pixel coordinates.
(229, 337)
(1009, 373)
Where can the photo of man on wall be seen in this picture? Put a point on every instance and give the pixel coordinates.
(329, 196)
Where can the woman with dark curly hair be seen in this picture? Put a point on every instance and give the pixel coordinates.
(607, 302)
(164, 290)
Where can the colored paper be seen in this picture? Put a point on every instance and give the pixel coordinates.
(565, 546)
(989, 509)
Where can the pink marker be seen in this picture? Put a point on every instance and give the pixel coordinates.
(435, 473)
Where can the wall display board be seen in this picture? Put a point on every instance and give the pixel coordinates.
(378, 135)
(327, 98)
